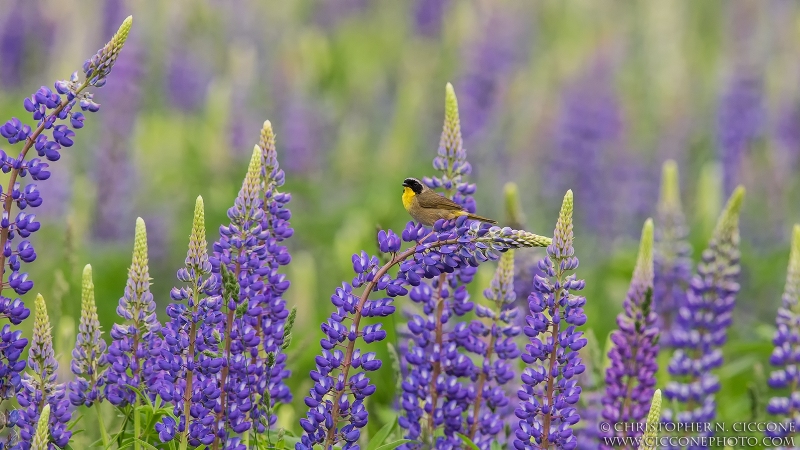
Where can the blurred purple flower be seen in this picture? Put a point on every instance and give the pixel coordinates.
(631, 377)
(187, 80)
(25, 31)
(589, 128)
(740, 120)
(703, 320)
(428, 16)
(114, 171)
(488, 60)
(672, 258)
(786, 354)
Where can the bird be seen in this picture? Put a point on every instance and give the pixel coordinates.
(426, 206)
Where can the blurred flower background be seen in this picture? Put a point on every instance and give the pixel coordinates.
(588, 95)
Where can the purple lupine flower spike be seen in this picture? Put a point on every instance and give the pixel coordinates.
(702, 322)
(786, 377)
(548, 397)
(129, 355)
(273, 319)
(87, 357)
(631, 377)
(239, 253)
(498, 355)
(672, 263)
(189, 362)
(50, 109)
(41, 388)
(436, 366)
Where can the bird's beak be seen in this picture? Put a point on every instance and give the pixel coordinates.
(405, 184)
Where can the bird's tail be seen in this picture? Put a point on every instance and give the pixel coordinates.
(481, 218)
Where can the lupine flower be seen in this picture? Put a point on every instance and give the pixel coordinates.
(703, 321)
(550, 392)
(129, 355)
(188, 362)
(786, 377)
(435, 364)
(498, 350)
(650, 438)
(740, 119)
(41, 388)
(41, 440)
(631, 377)
(49, 108)
(275, 321)
(336, 401)
(89, 350)
(256, 315)
(672, 263)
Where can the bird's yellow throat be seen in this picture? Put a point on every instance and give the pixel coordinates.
(408, 195)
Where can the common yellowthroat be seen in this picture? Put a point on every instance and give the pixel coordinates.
(426, 206)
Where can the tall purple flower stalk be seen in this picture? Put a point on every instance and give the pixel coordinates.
(88, 363)
(740, 120)
(786, 377)
(548, 398)
(434, 392)
(498, 350)
(702, 322)
(49, 109)
(130, 359)
(41, 388)
(189, 360)
(255, 323)
(631, 377)
(672, 263)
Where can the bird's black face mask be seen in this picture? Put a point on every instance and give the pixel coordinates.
(413, 184)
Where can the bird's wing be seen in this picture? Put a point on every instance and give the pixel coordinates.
(436, 201)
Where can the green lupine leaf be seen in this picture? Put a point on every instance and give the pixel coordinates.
(468, 442)
(394, 445)
(381, 436)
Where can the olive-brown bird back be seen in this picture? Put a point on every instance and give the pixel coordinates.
(430, 199)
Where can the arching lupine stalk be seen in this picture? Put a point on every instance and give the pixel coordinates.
(189, 360)
(703, 321)
(631, 377)
(49, 109)
(337, 395)
(550, 392)
(498, 352)
(786, 376)
(434, 395)
(672, 263)
(240, 249)
(130, 356)
(40, 388)
(88, 363)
